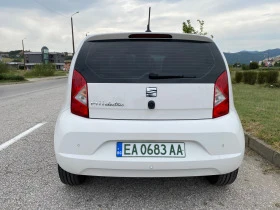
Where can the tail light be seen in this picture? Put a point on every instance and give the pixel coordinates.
(79, 95)
(221, 96)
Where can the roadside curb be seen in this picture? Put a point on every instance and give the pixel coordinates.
(262, 149)
(45, 78)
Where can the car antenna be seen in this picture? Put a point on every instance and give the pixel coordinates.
(148, 26)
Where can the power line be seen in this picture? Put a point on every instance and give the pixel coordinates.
(50, 9)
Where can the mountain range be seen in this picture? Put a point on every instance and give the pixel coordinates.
(244, 57)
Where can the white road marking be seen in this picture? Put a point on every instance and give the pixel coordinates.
(18, 137)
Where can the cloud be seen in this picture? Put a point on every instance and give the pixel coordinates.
(235, 24)
(64, 7)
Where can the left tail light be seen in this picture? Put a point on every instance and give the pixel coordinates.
(221, 96)
(79, 95)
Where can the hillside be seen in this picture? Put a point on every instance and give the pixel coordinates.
(244, 57)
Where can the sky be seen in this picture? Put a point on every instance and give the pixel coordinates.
(236, 25)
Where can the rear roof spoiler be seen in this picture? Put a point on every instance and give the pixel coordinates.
(178, 36)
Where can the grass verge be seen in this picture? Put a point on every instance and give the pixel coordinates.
(24, 72)
(10, 82)
(11, 77)
(258, 109)
(60, 73)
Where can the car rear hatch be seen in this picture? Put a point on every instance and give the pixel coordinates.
(124, 76)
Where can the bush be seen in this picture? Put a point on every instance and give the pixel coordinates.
(16, 60)
(238, 76)
(4, 68)
(42, 70)
(253, 65)
(245, 67)
(272, 77)
(250, 77)
(236, 65)
(274, 85)
(262, 77)
(277, 64)
(11, 77)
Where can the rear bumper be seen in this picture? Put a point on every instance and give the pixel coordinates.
(88, 146)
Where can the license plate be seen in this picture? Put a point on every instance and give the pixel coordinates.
(150, 149)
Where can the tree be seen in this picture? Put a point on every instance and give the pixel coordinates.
(201, 28)
(237, 65)
(253, 65)
(189, 29)
(245, 67)
(277, 64)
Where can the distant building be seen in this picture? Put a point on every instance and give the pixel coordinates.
(5, 55)
(44, 57)
(67, 65)
(15, 64)
(271, 61)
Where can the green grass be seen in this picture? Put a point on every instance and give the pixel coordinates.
(259, 110)
(42, 70)
(11, 76)
(8, 74)
(8, 82)
(56, 74)
(60, 73)
(5, 60)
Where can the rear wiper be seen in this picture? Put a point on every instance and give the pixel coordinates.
(157, 76)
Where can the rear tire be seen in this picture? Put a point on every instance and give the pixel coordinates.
(70, 179)
(224, 179)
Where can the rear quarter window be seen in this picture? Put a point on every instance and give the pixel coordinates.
(131, 61)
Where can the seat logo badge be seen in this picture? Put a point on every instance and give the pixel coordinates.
(151, 92)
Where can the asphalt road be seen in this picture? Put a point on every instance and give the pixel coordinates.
(29, 179)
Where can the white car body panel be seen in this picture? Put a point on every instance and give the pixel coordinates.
(88, 146)
(173, 101)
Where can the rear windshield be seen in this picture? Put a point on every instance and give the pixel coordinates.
(132, 61)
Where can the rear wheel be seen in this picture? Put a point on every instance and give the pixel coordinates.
(70, 179)
(223, 179)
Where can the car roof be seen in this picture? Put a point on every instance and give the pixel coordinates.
(177, 36)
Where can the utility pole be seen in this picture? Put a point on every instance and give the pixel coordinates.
(73, 32)
(23, 54)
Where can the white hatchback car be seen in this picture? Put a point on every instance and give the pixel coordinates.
(149, 105)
